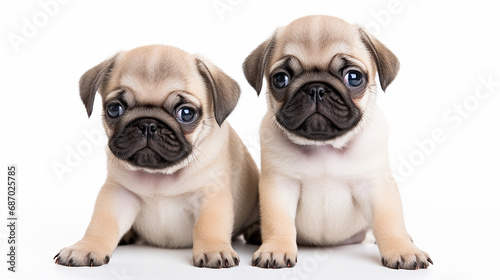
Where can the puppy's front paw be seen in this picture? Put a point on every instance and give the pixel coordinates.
(407, 256)
(82, 254)
(271, 255)
(215, 256)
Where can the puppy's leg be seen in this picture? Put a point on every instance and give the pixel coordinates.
(394, 243)
(213, 230)
(252, 234)
(278, 202)
(114, 213)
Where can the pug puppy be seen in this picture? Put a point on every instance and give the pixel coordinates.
(325, 177)
(178, 174)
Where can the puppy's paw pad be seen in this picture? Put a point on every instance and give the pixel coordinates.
(217, 259)
(408, 259)
(77, 256)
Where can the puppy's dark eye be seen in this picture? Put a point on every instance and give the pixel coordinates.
(114, 110)
(281, 80)
(186, 114)
(353, 78)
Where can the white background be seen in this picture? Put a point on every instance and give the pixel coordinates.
(449, 186)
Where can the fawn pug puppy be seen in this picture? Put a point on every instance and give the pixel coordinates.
(325, 177)
(178, 174)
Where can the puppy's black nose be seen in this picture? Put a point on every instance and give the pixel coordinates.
(316, 91)
(148, 127)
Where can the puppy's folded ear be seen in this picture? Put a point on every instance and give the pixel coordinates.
(255, 64)
(92, 80)
(224, 89)
(387, 62)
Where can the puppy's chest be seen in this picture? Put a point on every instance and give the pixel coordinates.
(168, 221)
(327, 212)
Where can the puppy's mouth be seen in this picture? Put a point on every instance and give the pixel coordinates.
(319, 112)
(149, 143)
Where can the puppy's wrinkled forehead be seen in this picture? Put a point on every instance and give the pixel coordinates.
(152, 73)
(314, 40)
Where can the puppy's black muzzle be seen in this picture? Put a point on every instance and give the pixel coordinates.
(319, 111)
(149, 143)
